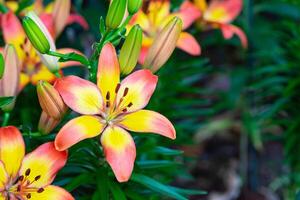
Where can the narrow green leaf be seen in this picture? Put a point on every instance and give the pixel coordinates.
(5, 100)
(116, 191)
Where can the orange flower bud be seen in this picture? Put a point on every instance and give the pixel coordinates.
(10, 81)
(50, 100)
(163, 45)
(47, 123)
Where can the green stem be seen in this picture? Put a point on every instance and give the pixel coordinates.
(32, 134)
(5, 119)
(71, 56)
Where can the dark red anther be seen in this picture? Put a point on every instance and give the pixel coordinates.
(28, 196)
(117, 88)
(40, 190)
(129, 105)
(27, 172)
(107, 104)
(124, 110)
(21, 178)
(125, 92)
(37, 177)
(107, 96)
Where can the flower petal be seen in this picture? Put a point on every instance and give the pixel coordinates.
(158, 11)
(42, 164)
(189, 44)
(136, 90)
(51, 192)
(120, 152)
(75, 18)
(61, 13)
(77, 130)
(13, 32)
(108, 72)
(12, 149)
(188, 13)
(3, 176)
(141, 19)
(148, 121)
(201, 4)
(143, 54)
(24, 80)
(223, 11)
(80, 95)
(42, 74)
(229, 30)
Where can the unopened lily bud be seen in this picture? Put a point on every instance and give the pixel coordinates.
(9, 83)
(130, 50)
(115, 13)
(163, 45)
(1, 66)
(50, 100)
(47, 123)
(35, 35)
(134, 6)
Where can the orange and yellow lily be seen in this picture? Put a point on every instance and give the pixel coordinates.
(29, 176)
(157, 16)
(109, 108)
(220, 14)
(31, 64)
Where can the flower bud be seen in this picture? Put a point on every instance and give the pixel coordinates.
(9, 83)
(35, 35)
(115, 13)
(1, 65)
(130, 50)
(134, 6)
(50, 100)
(163, 45)
(47, 123)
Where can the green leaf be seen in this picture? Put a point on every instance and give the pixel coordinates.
(79, 180)
(157, 186)
(188, 192)
(167, 152)
(102, 26)
(153, 164)
(5, 100)
(116, 191)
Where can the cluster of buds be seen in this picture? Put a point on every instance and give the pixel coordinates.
(10, 76)
(53, 107)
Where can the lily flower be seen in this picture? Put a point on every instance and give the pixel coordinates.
(29, 176)
(220, 14)
(109, 108)
(157, 16)
(31, 63)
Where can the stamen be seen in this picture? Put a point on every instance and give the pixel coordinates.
(125, 92)
(27, 172)
(19, 188)
(129, 105)
(117, 88)
(28, 196)
(21, 178)
(37, 177)
(40, 190)
(27, 54)
(124, 110)
(107, 96)
(107, 104)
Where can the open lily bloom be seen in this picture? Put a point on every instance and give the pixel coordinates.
(157, 16)
(220, 14)
(109, 108)
(31, 65)
(29, 176)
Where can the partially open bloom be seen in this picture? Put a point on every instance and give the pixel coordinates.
(109, 109)
(31, 65)
(29, 176)
(9, 83)
(220, 14)
(157, 16)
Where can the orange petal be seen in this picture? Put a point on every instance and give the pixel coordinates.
(44, 162)
(61, 13)
(80, 95)
(229, 30)
(120, 152)
(158, 11)
(148, 121)
(69, 63)
(201, 4)
(223, 11)
(13, 32)
(51, 192)
(143, 54)
(141, 19)
(188, 13)
(136, 90)
(75, 18)
(189, 44)
(12, 149)
(42, 74)
(77, 130)
(108, 72)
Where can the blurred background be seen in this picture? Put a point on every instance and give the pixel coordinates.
(236, 111)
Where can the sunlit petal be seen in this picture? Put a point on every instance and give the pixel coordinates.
(229, 30)
(189, 44)
(188, 13)
(51, 192)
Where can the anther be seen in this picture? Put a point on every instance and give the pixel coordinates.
(124, 110)
(40, 190)
(21, 178)
(28, 196)
(37, 177)
(117, 88)
(107, 104)
(27, 172)
(125, 92)
(19, 188)
(129, 105)
(107, 96)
